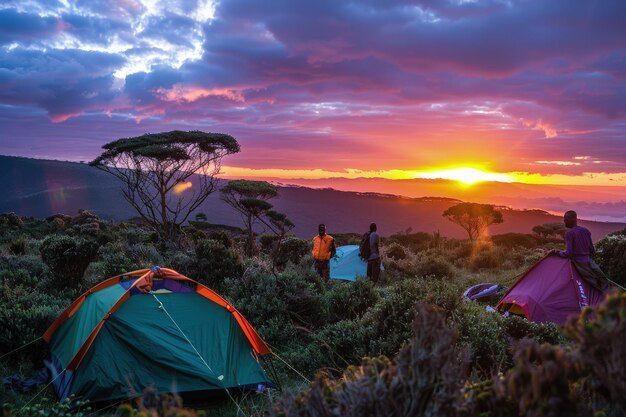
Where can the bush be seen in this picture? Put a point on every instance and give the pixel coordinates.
(267, 242)
(292, 250)
(33, 264)
(68, 258)
(11, 220)
(544, 381)
(274, 304)
(17, 247)
(25, 314)
(487, 258)
(514, 240)
(392, 314)
(395, 251)
(423, 380)
(413, 241)
(349, 300)
(484, 334)
(112, 260)
(600, 344)
(435, 266)
(519, 328)
(216, 262)
(610, 256)
(334, 347)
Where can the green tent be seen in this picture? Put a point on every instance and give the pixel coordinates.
(152, 328)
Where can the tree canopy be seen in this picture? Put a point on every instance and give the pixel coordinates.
(167, 175)
(249, 198)
(473, 217)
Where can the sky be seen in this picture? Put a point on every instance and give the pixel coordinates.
(529, 91)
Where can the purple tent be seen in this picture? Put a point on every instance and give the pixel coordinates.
(550, 291)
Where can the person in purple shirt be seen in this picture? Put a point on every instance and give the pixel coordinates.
(579, 247)
(577, 240)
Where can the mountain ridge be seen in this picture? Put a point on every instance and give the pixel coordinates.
(40, 188)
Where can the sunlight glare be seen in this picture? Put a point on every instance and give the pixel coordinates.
(466, 176)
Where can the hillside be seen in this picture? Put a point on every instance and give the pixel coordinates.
(40, 188)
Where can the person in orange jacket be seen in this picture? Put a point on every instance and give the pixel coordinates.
(323, 249)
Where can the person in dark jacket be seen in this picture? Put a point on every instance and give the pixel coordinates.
(373, 262)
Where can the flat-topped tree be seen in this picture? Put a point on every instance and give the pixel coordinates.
(473, 217)
(157, 171)
(249, 198)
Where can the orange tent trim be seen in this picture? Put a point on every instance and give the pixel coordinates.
(144, 284)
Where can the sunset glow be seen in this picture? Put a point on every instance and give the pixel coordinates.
(465, 175)
(430, 91)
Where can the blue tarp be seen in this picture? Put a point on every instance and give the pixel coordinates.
(347, 265)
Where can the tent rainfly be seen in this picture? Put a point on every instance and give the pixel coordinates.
(152, 328)
(550, 291)
(347, 265)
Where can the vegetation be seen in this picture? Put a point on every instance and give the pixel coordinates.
(407, 346)
(610, 256)
(473, 217)
(249, 199)
(166, 176)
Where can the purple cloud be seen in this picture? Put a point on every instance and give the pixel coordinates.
(501, 83)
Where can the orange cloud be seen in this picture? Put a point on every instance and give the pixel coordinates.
(547, 129)
(180, 93)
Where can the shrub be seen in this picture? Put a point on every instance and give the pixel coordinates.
(395, 251)
(391, 315)
(33, 264)
(183, 262)
(292, 250)
(335, 346)
(514, 240)
(68, 258)
(216, 262)
(349, 300)
(25, 314)
(600, 344)
(485, 259)
(144, 256)
(17, 246)
(267, 242)
(112, 260)
(610, 256)
(413, 241)
(484, 334)
(274, 304)
(12, 220)
(423, 380)
(519, 328)
(435, 266)
(224, 238)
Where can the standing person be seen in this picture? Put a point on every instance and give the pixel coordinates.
(323, 250)
(373, 261)
(578, 247)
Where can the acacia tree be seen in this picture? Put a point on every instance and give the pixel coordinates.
(473, 217)
(167, 175)
(249, 198)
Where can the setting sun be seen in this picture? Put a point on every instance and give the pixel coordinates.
(466, 176)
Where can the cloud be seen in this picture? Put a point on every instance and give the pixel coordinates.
(374, 84)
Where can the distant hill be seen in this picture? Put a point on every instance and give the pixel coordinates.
(39, 188)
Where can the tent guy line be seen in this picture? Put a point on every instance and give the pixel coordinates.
(220, 377)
